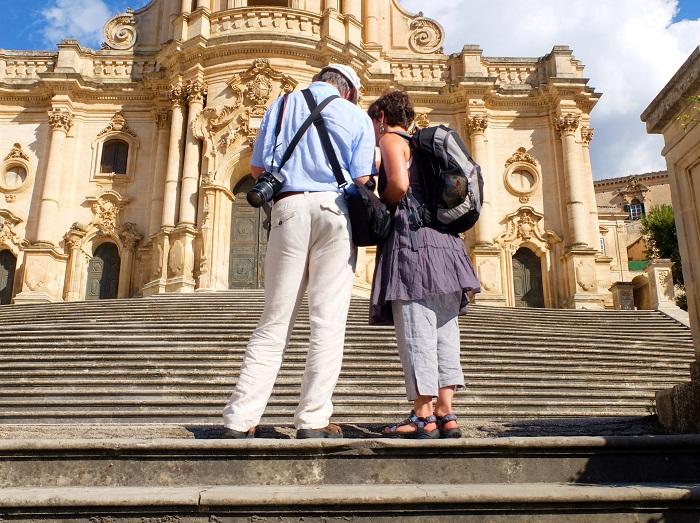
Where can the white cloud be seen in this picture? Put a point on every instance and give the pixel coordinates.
(79, 19)
(630, 48)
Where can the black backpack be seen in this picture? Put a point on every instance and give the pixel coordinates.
(452, 180)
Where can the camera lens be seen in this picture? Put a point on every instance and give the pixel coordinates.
(257, 196)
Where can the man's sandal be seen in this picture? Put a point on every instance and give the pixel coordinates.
(418, 423)
(448, 433)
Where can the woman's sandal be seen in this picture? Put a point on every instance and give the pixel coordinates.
(448, 433)
(418, 423)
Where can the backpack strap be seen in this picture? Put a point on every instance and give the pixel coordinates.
(315, 115)
(326, 142)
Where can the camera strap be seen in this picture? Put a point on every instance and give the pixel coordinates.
(320, 125)
(313, 117)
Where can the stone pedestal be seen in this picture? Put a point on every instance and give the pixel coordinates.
(487, 263)
(44, 274)
(160, 248)
(661, 292)
(623, 295)
(181, 260)
(582, 280)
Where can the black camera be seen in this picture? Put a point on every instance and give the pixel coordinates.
(267, 186)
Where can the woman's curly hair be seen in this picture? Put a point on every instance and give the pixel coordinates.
(397, 107)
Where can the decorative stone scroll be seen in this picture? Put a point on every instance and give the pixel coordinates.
(426, 35)
(521, 156)
(120, 32)
(106, 209)
(17, 154)
(8, 235)
(117, 125)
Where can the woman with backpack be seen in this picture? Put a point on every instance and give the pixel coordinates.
(421, 280)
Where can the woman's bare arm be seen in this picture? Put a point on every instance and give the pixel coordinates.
(395, 156)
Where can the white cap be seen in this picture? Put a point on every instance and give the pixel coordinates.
(349, 74)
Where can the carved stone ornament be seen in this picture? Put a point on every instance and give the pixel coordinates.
(587, 134)
(60, 120)
(196, 91)
(477, 124)
(567, 124)
(634, 190)
(521, 156)
(664, 276)
(162, 119)
(526, 225)
(426, 35)
(176, 258)
(585, 276)
(119, 125)
(120, 32)
(74, 237)
(422, 121)
(488, 271)
(256, 86)
(176, 95)
(8, 235)
(106, 209)
(130, 236)
(17, 154)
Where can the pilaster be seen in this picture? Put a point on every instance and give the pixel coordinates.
(582, 279)
(213, 262)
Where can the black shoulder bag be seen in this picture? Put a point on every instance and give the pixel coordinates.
(370, 219)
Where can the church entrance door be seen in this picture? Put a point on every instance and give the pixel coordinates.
(8, 264)
(527, 279)
(248, 241)
(103, 273)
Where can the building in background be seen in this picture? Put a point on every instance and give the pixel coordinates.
(124, 168)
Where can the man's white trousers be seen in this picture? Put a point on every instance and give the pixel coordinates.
(309, 249)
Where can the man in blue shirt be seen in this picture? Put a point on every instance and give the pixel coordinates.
(309, 249)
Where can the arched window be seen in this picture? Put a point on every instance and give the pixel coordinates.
(636, 210)
(114, 157)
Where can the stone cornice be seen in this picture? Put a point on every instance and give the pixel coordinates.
(674, 96)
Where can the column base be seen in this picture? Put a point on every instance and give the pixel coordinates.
(487, 263)
(582, 279)
(160, 247)
(44, 275)
(181, 260)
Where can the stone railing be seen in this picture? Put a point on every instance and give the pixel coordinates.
(25, 67)
(279, 21)
(417, 72)
(121, 68)
(515, 75)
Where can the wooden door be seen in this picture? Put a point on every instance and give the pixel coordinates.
(8, 264)
(527, 279)
(103, 273)
(248, 242)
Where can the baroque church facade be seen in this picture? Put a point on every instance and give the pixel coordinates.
(124, 169)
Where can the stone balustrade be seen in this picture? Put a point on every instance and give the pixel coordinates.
(26, 66)
(509, 75)
(418, 72)
(279, 21)
(122, 68)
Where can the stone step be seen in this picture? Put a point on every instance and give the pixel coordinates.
(484, 503)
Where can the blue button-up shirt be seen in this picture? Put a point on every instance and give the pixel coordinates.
(308, 169)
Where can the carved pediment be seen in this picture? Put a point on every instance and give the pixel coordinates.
(526, 225)
(16, 153)
(117, 125)
(521, 156)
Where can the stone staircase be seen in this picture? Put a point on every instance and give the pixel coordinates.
(175, 359)
(110, 413)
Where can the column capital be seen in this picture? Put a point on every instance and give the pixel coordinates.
(587, 134)
(60, 119)
(196, 91)
(176, 95)
(477, 124)
(567, 123)
(130, 236)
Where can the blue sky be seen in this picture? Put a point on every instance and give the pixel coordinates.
(630, 49)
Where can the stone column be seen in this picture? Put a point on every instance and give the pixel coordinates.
(130, 237)
(476, 126)
(161, 165)
(237, 3)
(74, 240)
(567, 126)
(190, 170)
(353, 7)
(332, 4)
(174, 157)
(61, 121)
(371, 21)
(594, 227)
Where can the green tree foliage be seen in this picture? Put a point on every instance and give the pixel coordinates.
(693, 113)
(659, 230)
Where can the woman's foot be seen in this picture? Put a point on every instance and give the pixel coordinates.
(448, 426)
(414, 427)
